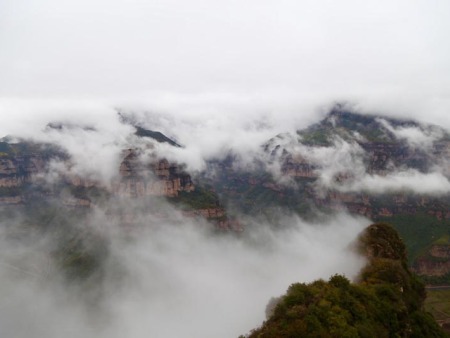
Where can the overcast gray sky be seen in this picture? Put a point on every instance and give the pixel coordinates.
(280, 56)
(216, 75)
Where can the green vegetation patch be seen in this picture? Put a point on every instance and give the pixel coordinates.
(156, 135)
(386, 302)
(338, 308)
(200, 198)
(319, 137)
(419, 232)
(443, 240)
(436, 280)
(438, 304)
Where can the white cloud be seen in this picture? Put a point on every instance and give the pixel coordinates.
(421, 138)
(289, 55)
(341, 166)
(433, 183)
(223, 75)
(342, 158)
(91, 132)
(172, 278)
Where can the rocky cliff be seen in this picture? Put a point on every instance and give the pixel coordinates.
(25, 168)
(157, 178)
(435, 261)
(20, 166)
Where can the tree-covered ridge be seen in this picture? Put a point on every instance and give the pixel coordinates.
(386, 301)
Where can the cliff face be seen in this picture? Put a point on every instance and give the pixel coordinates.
(386, 205)
(15, 171)
(298, 166)
(19, 165)
(13, 200)
(24, 165)
(435, 262)
(158, 178)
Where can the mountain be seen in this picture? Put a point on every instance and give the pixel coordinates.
(387, 300)
(382, 168)
(387, 170)
(142, 174)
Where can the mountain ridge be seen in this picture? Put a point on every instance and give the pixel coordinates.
(321, 169)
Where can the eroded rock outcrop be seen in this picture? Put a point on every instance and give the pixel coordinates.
(436, 261)
(156, 178)
(23, 179)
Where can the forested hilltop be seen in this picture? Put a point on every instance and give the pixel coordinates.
(387, 300)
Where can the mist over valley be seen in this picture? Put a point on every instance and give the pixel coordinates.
(189, 169)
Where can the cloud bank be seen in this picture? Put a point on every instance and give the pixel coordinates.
(419, 138)
(169, 278)
(407, 181)
(284, 58)
(228, 75)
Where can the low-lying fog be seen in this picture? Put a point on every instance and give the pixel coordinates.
(168, 278)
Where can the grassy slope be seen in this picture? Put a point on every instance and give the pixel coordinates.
(438, 303)
(419, 232)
